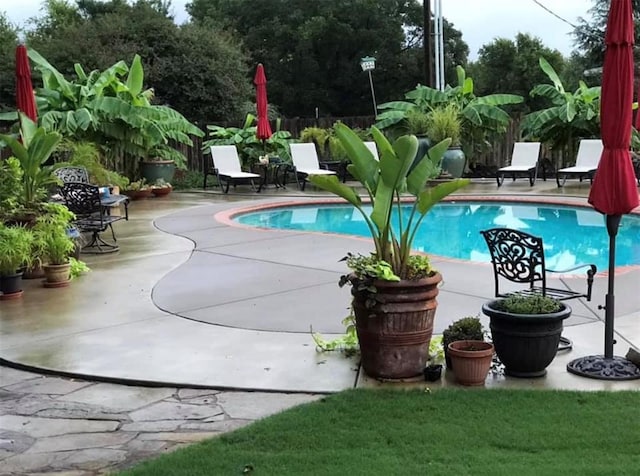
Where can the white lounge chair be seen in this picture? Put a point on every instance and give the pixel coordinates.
(374, 150)
(524, 161)
(305, 162)
(589, 153)
(226, 167)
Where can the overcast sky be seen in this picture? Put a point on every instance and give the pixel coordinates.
(479, 21)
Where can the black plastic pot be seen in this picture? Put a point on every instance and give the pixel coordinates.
(11, 284)
(432, 373)
(525, 343)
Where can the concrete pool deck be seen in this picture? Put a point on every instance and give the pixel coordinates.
(190, 301)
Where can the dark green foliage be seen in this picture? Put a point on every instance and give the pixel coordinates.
(528, 304)
(194, 69)
(443, 432)
(8, 43)
(511, 66)
(187, 179)
(312, 49)
(589, 34)
(466, 328)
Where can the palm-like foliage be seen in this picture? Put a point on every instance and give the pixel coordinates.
(480, 117)
(385, 181)
(112, 109)
(570, 116)
(32, 150)
(250, 148)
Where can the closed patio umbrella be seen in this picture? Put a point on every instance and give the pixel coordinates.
(263, 131)
(25, 100)
(614, 192)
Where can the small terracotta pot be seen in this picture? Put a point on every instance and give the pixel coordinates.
(161, 192)
(57, 275)
(471, 361)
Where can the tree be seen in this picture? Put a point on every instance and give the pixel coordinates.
(509, 66)
(312, 50)
(202, 74)
(589, 34)
(8, 43)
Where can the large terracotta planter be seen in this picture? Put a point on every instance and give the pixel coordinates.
(471, 361)
(395, 325)
(525, 343)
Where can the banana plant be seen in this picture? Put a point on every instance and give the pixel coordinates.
(386, 181)
(570, 115)
(112, 109)
(480, 116)
(32, 150)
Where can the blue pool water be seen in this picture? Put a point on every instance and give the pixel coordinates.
(571, 235)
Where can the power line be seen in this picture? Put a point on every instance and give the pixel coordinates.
(554, 14)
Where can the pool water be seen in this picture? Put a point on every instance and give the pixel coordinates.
(571, 235)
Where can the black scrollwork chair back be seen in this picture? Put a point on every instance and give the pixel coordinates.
(519, 257)
(91, 216)
(72, 174)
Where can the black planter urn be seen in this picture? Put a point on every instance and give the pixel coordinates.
(525, 343)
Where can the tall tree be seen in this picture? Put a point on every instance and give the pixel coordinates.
(312, 50)
(8, 43)
(508, 66)
(589, 33)
(199, 73)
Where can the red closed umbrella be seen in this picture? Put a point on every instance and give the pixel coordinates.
(263, 131)
(25, 100)
(614, 190)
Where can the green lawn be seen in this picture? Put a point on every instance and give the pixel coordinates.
(452, 431)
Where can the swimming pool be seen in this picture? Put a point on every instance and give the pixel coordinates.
(571, 235)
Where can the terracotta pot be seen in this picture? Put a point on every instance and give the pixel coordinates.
(395, 330)
(34, 272)
(57, 275)
(161, 192)
(138, 194)
(471, 361)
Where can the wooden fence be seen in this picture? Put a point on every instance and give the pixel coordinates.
(497, 156)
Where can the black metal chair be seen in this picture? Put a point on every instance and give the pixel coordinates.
(92, 216)
(72, 174)
(519, 257)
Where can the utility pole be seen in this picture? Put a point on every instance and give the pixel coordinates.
(427, 43)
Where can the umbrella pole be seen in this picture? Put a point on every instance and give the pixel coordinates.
(607, 366)
(613, 223)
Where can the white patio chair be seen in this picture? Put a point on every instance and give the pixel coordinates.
(587, 160)
(226, 167)
(374, 150)
(305, 162)
(524, 161)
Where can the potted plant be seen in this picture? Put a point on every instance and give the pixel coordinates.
(138, 189)
(471, 361)
(444, 121)
(525, 330)
(15, 253)
(433, 371)
(52, 230)
(465, 328)
(393, 289)
(161, 188)
(32, 150)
